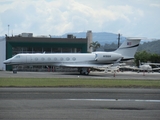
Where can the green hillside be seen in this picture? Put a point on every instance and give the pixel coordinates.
(151, 47)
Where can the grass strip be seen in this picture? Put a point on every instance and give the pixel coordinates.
(77, 82)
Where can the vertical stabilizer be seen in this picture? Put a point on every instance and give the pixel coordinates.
(128, 48)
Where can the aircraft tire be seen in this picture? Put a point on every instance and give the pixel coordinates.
(86, 73)
(81, 72)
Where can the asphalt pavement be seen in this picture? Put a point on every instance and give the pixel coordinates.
(79, 104)
(99, 75)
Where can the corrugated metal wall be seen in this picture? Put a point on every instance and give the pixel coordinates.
(2, 52)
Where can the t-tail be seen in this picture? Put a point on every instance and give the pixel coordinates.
(128, 48)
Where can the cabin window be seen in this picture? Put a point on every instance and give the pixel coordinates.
(18, 56)
(55, 59)
(42, 59)
(73, 58)
(61, 59)
(36, 59)
(67, 58)
(49, 59)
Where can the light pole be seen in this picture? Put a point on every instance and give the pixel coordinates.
(119, 39)
(8, 30)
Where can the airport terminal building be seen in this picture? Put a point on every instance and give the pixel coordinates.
(26, 43)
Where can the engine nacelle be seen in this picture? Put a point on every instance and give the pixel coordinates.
(107, 56)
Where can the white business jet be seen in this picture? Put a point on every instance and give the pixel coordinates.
(82, 61)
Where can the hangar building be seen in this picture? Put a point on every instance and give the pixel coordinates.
(26, 43)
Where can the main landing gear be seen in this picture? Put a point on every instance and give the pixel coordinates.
(84, 71)
(15, 70)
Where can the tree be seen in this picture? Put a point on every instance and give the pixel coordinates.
(95, 45)
(144, 56)
(155, 58)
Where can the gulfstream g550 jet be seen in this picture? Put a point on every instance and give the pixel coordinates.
(82, 61)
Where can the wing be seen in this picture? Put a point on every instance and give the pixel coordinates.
(155, 68)
(82, 65)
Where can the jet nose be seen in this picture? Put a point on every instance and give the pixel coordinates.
(7, 61)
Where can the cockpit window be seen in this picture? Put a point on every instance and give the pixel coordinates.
(17, 56)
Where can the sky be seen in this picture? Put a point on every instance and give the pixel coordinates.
(130, 18)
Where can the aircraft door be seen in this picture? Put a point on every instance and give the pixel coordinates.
(96, 57)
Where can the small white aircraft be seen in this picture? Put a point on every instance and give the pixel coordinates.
(145, 67)
(82, 61)
(148, 67)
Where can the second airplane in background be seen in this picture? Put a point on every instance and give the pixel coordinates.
(82, 61)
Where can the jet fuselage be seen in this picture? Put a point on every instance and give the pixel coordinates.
(65, 59)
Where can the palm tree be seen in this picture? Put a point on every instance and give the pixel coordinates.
(95, 45)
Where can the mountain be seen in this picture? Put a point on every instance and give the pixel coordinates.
(109, 41)
(101, 37)
(104, 37)
(151, 47)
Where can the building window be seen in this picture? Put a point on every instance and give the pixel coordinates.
(66, 50)
(56, 50)
(47, 50)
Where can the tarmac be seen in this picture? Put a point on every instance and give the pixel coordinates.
(100, 75)
(80, 103)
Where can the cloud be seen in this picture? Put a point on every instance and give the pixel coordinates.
(57, 17)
